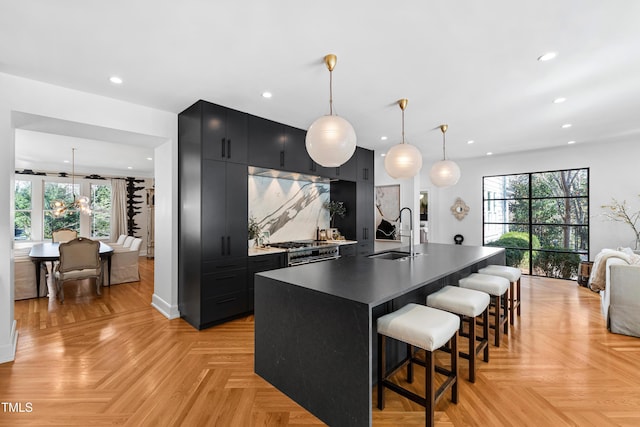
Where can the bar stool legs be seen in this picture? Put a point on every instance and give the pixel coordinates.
(426, 328)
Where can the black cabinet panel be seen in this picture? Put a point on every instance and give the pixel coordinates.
(222, 307)
(348, 250)
(236, 209)
(296, 157)
(223, 283)
(224, 133)
(364, 161)
(213, 227)
(262, 263)
(266, 143)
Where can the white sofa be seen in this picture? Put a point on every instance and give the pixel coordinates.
(620, 300)
(24, 272)
(124, 261)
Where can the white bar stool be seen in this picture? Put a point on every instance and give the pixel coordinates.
(512, 274)
(467, 304)
(497, 288)
(429, 329)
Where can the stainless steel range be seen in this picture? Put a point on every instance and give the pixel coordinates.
(306, 251)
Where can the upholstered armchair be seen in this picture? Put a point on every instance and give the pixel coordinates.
(63, 235)
(79, 259)
(124, 261)
(621, 298)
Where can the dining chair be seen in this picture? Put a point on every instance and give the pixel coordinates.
(79, 259)
(63, 235)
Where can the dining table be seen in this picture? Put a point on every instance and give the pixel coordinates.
(50, 252)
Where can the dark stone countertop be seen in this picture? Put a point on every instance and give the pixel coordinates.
(374, 281)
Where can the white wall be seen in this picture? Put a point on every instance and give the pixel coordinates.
(613, 173)
(28, 96)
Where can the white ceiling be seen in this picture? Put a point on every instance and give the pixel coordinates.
(467, 63)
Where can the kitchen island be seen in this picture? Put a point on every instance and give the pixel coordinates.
(315, 324)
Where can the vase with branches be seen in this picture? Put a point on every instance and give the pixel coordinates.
(335, 208)
(620, 212)
(254, 230)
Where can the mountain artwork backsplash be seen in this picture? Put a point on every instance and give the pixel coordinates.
(288, 209)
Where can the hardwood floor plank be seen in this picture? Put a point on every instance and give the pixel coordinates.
(114, 360)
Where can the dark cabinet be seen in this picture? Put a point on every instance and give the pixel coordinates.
(296, 157)
(266, 143)
(260, 263)
(212, 251)
(358, 197)
(224, 208)
(348, 250)
(224, 133)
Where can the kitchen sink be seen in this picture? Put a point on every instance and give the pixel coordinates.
(391, 255)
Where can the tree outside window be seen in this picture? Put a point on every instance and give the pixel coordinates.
(59, 191)
(23, 207)
(101, 204)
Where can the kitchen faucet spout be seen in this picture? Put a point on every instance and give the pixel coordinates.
(411, 250)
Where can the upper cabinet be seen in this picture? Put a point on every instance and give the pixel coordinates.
(266, 143)
(224, 133)
(364, 160)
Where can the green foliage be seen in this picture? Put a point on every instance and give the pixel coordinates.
(557, 264)
(522, 235)
(254, 230)
(513, 256)
(335, 208)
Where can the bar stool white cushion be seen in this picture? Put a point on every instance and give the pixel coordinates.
(493, 285)
(420, 326)
(512, 274)
(466, 302)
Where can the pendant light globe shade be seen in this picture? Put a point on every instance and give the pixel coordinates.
(445, 173)
(403, 161)
(331, 141)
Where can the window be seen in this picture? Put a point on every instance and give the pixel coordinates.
(23, 207)
(541, 218)
(101, 203)
(59, 191)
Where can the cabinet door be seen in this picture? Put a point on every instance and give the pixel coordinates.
(266, 143)
(214, 194)
(236, 209)
(296, 158)
(365, 218)
(214, 131)
(237, 136)
(348, 170)
(364, 161)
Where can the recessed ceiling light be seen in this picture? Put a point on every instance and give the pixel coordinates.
(149, 158)
(129, 167)
(566, 125)
(471, 141)
(383, 138)
(383, 154)
(547, 56)
(65, 161)
(115, 80)
(571, 142)
(489, 153)
(267, 94)
(559, 100)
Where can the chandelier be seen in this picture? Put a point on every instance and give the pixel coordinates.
(403, 160)
(330, 140)
(444, 173)
(81, 204)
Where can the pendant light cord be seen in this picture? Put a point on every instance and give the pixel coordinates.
(444, 154)
(330, 92)
(403, 126)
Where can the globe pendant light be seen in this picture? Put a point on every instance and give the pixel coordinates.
(444, 173)
(331, 140)
(403, 160)
(80, 203)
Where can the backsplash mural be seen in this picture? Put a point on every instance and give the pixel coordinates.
(288, 209)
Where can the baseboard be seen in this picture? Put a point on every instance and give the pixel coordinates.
(168, 310)
(8, 351)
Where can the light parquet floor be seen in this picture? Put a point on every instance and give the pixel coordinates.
(114, 360)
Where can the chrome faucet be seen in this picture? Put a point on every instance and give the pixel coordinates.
(411, 250)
